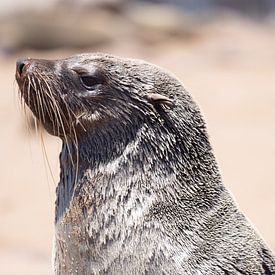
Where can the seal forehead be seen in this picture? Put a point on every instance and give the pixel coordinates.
(107, 59)
(88, 61)
(89, 57)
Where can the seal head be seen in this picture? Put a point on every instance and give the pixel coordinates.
(75, 95)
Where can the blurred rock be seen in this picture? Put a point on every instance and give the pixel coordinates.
(59, 28)
(115, 5)
(249, 7)
(156, 23)
(92, 28)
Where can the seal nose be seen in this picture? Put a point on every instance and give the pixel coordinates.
(20, 65)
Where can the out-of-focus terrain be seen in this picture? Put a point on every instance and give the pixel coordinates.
(226, 62)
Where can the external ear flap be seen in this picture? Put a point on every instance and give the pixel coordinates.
(156, 99)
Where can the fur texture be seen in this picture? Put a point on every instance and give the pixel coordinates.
(140, 191)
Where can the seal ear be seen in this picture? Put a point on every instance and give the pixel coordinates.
(156, 99)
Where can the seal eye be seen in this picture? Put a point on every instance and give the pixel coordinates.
(89, 82)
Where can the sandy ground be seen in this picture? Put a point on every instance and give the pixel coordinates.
(230, 70)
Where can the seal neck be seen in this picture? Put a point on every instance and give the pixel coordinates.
(149, 149)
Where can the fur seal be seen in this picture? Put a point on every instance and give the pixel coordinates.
(140, 191)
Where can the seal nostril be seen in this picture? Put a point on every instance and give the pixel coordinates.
(20, 69)
(20, 64)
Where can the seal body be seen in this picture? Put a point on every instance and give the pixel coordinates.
(140, 191)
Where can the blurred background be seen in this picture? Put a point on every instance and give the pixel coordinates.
(222, 50)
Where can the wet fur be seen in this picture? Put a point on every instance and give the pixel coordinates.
(140, 191)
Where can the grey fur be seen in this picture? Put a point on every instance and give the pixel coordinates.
(146, 196)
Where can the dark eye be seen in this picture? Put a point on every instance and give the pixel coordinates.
(89, 82)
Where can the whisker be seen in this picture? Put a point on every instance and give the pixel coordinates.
(46, 160)
(47, 103)
(39, 101)
(22, 107)
(52, 101)
(59, 114)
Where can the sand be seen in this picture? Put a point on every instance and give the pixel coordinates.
(229, 69)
